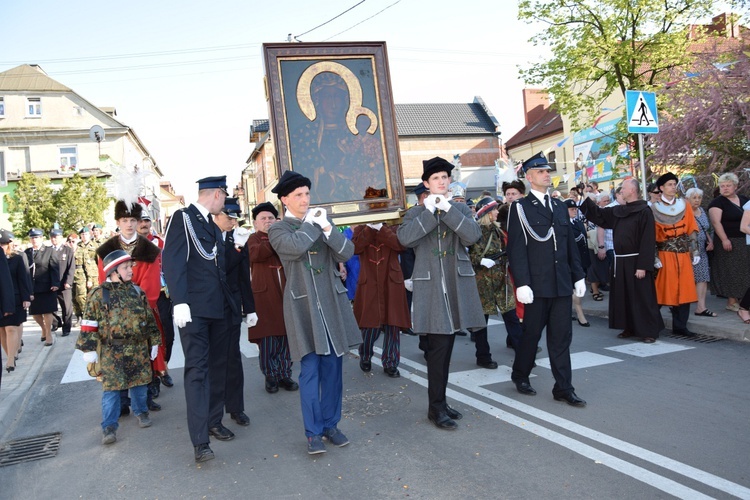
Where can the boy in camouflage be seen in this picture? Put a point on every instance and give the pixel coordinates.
(117, 314)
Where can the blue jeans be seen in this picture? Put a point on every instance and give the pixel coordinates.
(320, 390)
(111, 404)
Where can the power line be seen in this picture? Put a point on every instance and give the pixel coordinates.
(138, 54)
(335, 17)
(362, 21)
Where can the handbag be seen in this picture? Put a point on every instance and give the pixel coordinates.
(592, 240)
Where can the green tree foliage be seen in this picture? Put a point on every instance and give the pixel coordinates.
(79, 202)
(35, 203)
(32, 204)
(600, 47)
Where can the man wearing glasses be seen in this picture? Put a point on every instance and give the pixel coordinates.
(193, 265)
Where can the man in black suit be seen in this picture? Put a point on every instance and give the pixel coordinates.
(193, 265)
(65, 257)
(231, 395)
(546, 268)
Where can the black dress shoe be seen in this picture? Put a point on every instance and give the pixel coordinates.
(221, 433)
(571, 399)
(490, 365)
(525, 388)
(64, 334)
(461, 333)
(365, 366)
(583, 324)
(203, 453)
(166, 379)
(124, 411)
(442, 421)
(240, 418)
(392, 372)
(453, 413)
(153, 406)
(408, 331)
(271, 385)
(288, 384)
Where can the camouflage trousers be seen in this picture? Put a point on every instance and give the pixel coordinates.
(79, 299)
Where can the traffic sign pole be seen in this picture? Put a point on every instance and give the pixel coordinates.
(643, 167)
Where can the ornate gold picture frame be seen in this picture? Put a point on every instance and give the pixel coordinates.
(333, 121)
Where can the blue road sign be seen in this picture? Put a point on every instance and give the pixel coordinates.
(642, 115)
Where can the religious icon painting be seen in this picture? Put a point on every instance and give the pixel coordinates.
(333, 121)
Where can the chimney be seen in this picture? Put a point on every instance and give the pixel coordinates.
(535, 104)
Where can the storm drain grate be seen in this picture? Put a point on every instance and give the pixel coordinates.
(698, 337)
(29, 449)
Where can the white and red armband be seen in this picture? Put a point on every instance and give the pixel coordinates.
(89, 326)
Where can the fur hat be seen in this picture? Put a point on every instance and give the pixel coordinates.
(516, 184)
(122, 210)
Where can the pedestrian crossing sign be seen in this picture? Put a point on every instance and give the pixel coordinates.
(642, 114)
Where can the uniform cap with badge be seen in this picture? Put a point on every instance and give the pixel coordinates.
(232, 208)
(215, 182)
(538, 162)
(35, 232)
(6, 237)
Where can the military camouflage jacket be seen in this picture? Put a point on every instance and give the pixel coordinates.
(127, 329)
(86, 270)
(495, 289)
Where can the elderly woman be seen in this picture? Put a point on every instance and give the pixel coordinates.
(694, 196)
(490, 265)
(731, 253)
(744, 310)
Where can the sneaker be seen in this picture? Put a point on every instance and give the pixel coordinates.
(315, 445)
(335, 437)
(109, 436)
(144, 420)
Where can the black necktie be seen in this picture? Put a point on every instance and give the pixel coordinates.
(546, 202)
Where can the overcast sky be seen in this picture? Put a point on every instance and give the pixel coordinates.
(187, 75)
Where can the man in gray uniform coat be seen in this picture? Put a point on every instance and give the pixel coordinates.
(445, 289)
(320, 325)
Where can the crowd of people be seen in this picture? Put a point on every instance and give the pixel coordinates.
(309, 292)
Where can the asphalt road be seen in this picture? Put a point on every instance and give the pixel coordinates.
(663, 420)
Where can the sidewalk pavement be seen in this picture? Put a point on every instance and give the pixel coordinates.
(15, 385)
(726, 325)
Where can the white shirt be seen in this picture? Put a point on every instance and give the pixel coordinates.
(540, 196)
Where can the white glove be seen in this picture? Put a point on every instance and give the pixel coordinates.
(90, 357)
(488, 263)
(241, 235)
(443, 204)
(181, 315)
(429, 203)
(317, 216)
(657, 263)
(376, 227)
(696, 259)
(525, 295)
(154, 352)
(251, 320)
(580, 287)
(409, 285)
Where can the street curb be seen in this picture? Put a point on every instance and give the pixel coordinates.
(13, 401)
(738, 332)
